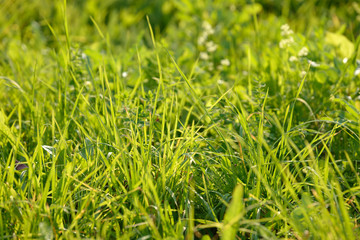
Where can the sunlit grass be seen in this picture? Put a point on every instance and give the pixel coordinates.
(205, 119)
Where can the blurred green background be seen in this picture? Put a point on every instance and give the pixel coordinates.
(124, 21)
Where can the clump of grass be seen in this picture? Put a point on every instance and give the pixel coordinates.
(244, 124)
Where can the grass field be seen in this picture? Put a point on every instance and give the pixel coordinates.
(208, 119)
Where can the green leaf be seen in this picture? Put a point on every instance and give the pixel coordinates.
(233, 214)
(206, 237)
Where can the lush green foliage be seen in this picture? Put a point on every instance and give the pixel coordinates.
(231, 119)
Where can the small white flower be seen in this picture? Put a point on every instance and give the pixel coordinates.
(220, 81)
(357, 72)
(124, 74)
(225, 62)
(345, 60)
(313, 64)
(293, 59)
(284, 43)
(211, 46)
(285, 30)
(285, 27)
(83, 56)
(204, 56)
(202, 39)
(302, 74)
(206, 25)
(207, 28)
(303, 52)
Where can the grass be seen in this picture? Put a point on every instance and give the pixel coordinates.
(179, 119)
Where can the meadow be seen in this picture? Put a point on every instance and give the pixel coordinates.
(178, 119)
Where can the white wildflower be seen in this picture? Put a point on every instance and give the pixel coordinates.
(313, 64)
(302, 74)
(211, 46)
(124, 74)
(345, 60)
(225, 62)
(220, 82)
(207, 28)
(293, 59)
(303, 52)
(285, 30)
(284, 43)
(357, 72)
(204, 56)
(202, 39)
(206, 25)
